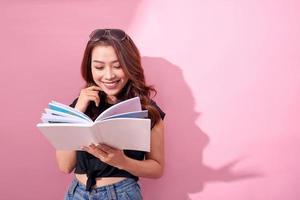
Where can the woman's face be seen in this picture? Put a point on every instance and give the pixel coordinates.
(107, 71)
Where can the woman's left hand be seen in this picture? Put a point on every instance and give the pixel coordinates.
(112, 156)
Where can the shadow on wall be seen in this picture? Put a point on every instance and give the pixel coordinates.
(185, 142)
(35, 25)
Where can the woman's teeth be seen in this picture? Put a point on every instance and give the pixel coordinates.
(111, 84)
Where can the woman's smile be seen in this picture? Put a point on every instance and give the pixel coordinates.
(111, 84)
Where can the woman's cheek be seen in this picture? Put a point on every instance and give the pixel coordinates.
(96, 75)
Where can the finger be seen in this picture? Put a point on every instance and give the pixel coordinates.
(94, 98)
(94, 88)
(83, 147)
(106, 148)
(89, 92)
(88, 149)
(92, 92)
(94, 152)
(98, 150)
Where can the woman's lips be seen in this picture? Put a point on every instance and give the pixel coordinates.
(112, 84)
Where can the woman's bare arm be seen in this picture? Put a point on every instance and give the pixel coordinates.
(66, 160)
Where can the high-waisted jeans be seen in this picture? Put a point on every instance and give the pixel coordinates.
(127, 189)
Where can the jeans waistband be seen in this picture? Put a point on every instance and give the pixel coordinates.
(119, 186)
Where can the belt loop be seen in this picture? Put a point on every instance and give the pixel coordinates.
(111, 192)
(73, 186)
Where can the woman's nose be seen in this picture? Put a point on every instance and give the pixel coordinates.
(109, 74)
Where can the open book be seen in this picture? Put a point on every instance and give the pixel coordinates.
(123, 126)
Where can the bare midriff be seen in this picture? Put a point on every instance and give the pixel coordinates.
(82, 178)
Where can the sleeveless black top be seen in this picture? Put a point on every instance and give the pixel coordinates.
(94, 167)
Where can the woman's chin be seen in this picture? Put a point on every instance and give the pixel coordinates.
(111, 93)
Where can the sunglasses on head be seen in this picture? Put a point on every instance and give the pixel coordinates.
(117, 34)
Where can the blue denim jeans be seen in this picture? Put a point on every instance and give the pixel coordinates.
(127, 189)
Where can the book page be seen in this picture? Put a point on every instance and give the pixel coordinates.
(62, 114)
(129, 105)
(67, 109)
(50, 118)
(67, 136)
(124, 133)
(136, 114)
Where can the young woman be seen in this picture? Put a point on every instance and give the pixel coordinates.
(111, 68)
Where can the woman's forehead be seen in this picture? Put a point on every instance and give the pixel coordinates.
(104, 54)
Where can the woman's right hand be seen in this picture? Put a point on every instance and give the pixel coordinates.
(86, 96)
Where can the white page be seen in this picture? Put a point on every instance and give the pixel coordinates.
(125, 133)
(67, 136)
(129, 105)
(136, 114)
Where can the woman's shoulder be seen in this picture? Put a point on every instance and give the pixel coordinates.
(161, 112)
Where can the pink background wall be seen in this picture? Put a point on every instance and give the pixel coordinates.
(228, 76)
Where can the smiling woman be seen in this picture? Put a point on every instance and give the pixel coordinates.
(112, 70)
(107, 71)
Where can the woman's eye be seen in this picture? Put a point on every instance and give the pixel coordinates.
(99, 68)
(117, 66)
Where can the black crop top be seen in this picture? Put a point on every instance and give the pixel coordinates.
(94, 167)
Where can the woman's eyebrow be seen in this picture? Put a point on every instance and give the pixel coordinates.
(99, 61)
